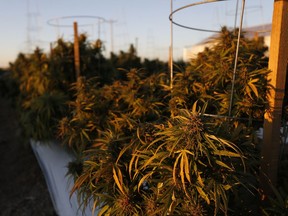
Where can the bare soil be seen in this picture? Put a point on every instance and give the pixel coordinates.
(23, 189)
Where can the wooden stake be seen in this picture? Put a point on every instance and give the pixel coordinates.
(277, 64)
(76, 51)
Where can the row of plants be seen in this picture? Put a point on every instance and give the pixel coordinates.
(41, 82)
(143, 148)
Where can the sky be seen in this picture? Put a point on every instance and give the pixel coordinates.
(26, 24)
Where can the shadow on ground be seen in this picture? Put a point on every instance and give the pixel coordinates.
(23, 189)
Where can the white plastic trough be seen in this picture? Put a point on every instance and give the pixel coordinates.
(53, 161)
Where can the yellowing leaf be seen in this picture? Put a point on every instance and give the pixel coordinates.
(173, 196)
(227, 187)
(253, 87)
(227, 153)
(103, 210)
(118, 180)
(223, 165)
(200, 181)
(203, 194)
(186, 167)
(175, 168)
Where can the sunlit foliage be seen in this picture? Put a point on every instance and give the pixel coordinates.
(141, 147)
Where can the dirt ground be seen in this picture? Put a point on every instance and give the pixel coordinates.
(23, 190)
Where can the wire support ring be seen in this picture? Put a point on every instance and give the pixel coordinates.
(54, 21)
(191, 5)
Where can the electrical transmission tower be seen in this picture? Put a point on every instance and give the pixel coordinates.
(33, 27)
